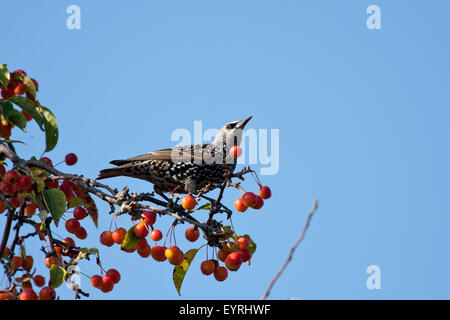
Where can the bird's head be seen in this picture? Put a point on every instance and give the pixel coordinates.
(230, 134)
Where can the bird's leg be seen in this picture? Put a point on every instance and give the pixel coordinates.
(173, 191)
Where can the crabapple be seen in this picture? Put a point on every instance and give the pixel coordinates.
(188, 202)
(192, 234)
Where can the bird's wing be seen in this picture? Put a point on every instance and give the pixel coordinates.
(186, 153)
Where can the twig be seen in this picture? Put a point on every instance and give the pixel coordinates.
(289, 258)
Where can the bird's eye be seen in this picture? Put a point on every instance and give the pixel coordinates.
(231, 125)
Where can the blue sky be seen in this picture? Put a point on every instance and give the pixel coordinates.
(362, 114)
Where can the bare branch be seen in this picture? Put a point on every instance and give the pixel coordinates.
(289, 258)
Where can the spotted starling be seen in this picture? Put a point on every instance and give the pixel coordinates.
(187, 169)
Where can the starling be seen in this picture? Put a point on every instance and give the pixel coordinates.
(191, 169)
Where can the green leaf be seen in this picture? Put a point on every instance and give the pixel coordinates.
(180, 271)
(56, 203)
(57, 275)
(76, 202)
(131, 239)
(51, 129)
(29, 107)
(4, 75)
(6, 107)
(11, 141)
(206, 206)
(18, 119)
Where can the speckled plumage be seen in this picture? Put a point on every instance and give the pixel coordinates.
(194, 168)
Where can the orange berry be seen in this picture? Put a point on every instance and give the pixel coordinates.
(47, 293)
(39, 280)
(28, 294)
(221, 273)
(188, 202)
(207, 267)
(30, 209)
(118, 235)
(240, 205)
(27, 263)
(192, 234)
(158, 253)
(174, 255)
(16, 262)
(141, 230)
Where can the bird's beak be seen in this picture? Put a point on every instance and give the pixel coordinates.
(241, 124)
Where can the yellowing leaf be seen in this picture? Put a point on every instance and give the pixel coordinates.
(57, 274)
(130, 240)
(180, 271)
(88, 203)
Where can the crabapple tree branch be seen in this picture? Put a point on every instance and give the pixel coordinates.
(291, 252)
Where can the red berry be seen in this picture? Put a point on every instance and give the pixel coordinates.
(239, 205)
(46, 160)
(221, 273)
(149, 217)
(188, 202)
(118, 235)
(233, 261)
(7, 92)
(20, 71)
(27, 263)
(245, 254)
(249, 199)
(174, 255)
(67, 189)
(11, 177)
(141, 230)
(24, 183)
(145, 251)
(192, 234)
(158, 253)
(207, 267)
(47, 293)
(259, 203)
(106, 238)
(51, 184)
(79, 213)
(28, 294)
(71, 159)
(265, 192)
(14, 202)
(81, 233)
(107, 284)
(114, 275)
(69, 241)
(156, 235)
(39, 280)
(235, 152)
(96, 281)
(6, 188)
(222, 255)
(72, 225)
(242, 242)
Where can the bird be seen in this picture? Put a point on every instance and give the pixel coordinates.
(191, 169)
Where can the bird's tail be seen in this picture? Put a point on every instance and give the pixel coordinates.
(112, 172)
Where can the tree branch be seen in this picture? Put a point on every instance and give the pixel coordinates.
(291, 252)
